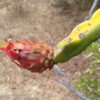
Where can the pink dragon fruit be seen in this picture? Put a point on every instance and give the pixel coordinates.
(31, 55)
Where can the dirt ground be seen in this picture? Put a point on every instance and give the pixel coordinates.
(41, 20)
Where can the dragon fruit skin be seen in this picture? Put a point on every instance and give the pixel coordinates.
(31, 55)
(10, 53)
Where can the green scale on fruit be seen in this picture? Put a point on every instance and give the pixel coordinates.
(81, 36)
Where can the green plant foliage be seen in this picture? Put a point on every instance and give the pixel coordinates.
(89, 82)
(94, 48)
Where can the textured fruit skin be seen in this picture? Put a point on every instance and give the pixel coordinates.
(32, 55)
(81, 36)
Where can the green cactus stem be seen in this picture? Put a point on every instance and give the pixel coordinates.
(82, 35)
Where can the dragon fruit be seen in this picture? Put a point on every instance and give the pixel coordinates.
(32, 55)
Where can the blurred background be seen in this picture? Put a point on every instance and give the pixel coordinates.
(49, 21)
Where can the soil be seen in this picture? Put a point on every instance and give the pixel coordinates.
(40, 20)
